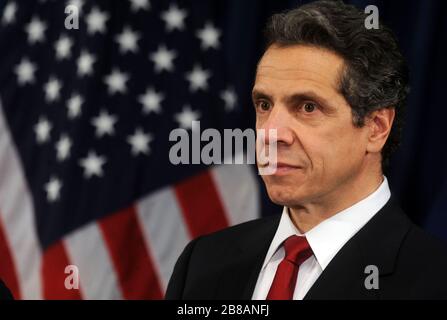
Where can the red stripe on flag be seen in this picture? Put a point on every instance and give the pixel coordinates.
(55, 260)
(201, 204)
(7, 269)
(130, 256)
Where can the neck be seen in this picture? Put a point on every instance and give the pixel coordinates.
(308, 215)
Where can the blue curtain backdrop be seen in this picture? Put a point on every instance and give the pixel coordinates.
(418, 171)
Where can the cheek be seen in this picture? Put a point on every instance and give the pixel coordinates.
(353, 142)
(346, 150)
(261, 119)
(332, 148)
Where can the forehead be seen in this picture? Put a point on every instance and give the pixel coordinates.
(303, 66)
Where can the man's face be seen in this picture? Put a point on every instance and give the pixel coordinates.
(318, 147)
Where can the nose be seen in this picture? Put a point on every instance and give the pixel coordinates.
(279, 120)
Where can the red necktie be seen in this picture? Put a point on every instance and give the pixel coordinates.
(297, 250)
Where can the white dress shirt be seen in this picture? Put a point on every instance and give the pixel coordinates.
(325, 239)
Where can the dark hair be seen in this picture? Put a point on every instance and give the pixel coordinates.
(375, 74)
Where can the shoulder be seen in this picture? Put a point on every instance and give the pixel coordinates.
(237, 235)
(245, 229)
(231, 238)
(424, 247)
(422, 265)
(394, 230)
(204, 258)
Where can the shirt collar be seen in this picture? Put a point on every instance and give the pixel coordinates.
(328, 237)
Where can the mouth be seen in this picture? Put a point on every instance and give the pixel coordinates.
(281, 168)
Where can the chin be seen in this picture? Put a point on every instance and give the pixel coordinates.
(284, 196)
(286, 190)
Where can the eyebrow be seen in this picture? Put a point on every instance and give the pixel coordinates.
(257, 95)
(307, 95)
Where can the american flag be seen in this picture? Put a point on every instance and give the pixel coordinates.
(85, 116)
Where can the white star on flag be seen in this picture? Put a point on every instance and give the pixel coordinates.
(42, 130)
(85, 63)
(186, 117)
(139, 142)
(140, 4)
(74, 106)
(163, 59)
(96, 21)
(9, 13)
(63, 147)
(127, 40)
(35, 30)
(174, 18)
(25, 71)
(230, 98)
(209, 36)
(198, 78)
(52, 89)
(53, 189)
(104, 124)
(63, 47)
(77, 3)
(116, 82)
(151, 101)
(92, 165)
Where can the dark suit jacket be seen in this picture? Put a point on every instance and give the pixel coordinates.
(226, 264)
(5, 294)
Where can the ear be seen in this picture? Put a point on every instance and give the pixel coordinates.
(379, 123)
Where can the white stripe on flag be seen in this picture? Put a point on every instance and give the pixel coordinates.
(238, 190)
(17, 212)
(164, 231)
(86, 250)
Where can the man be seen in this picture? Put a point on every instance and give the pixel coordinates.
(334, 93)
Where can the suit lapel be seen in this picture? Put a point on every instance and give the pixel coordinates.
(245, 262)
(377, 243)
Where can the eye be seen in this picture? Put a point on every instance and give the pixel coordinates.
(263, 105)
(309, 107)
